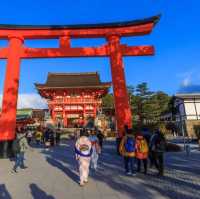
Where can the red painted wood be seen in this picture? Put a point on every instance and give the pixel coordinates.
(81, 101)
(113, 49)
(140, 29)
(122, 108)
(10, 94)
(64, 51)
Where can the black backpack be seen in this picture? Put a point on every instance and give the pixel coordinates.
(16, 146)
(160, 144)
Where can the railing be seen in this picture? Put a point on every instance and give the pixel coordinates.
(75, 101)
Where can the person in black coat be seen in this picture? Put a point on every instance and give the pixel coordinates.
(157, 147)
(100, 137)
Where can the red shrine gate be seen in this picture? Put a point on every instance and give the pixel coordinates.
(113, 49)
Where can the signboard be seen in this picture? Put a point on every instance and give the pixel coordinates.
(73, 116)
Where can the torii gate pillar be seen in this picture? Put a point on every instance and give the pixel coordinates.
(122, 108)
(10, 95)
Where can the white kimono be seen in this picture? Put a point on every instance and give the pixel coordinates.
(83, 150)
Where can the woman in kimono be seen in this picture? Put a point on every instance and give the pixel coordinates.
(83, 150)
(95, 148)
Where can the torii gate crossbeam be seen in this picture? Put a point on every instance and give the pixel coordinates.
(112, 49)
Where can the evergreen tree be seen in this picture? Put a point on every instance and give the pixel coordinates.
(147, 106)
(108, 101)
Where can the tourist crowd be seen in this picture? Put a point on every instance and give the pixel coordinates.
(136, 148)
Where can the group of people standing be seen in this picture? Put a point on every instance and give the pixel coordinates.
(87, 149)
(137, 148)
(44, 136)
(25, 137)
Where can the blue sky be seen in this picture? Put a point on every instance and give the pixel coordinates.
(175, 37)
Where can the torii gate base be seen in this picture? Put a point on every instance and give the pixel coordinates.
(113, 49)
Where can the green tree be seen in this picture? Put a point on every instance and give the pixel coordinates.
(147, 106)
(131, 90)
(108, 101)
(143, 90)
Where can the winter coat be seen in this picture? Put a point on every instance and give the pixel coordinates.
(142, 148)
(20, 145)
(23, 144)
(122, 149)
(157, 143)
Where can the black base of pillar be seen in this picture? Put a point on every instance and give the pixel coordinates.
(6, 149)
(118, 140)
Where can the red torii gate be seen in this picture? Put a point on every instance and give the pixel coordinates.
(16, 51)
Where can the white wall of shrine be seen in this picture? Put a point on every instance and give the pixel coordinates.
(189, 109)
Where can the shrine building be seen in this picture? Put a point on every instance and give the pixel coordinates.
(73, 98)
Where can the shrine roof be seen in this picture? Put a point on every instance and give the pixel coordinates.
(153, 19)
(73, 80)
(188, 95)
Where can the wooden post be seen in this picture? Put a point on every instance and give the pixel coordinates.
(10, 94)
(122, 108)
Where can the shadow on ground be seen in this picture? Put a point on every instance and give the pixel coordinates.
(4, 194)
(38, 193)
(180, 180)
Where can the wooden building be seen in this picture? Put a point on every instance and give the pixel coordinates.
(73, 98)
(188, 112)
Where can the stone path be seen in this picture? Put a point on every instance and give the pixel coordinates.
(53, 175)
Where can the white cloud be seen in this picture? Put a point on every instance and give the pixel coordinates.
(186, 78)
(29, 100)
(186, 81)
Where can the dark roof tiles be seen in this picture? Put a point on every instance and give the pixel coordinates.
(153, 19)
(66, 80)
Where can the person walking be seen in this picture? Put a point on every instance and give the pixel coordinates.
(127, 150)
(100, 137)
(38, 136)
(83, 152)
(58, 132)
(142, 150)
(20, 146)
(47, 138)
(95, 148)
(157, 147)
(29, 136)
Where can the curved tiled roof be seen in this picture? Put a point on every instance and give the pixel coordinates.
(153, 19)
(73, 80)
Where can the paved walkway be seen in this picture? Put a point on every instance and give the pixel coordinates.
(53, 175)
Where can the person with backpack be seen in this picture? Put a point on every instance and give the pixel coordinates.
(95, 148)
(38, 136)
(100, 137)
(157, 147)
(127, 150)
(83, 152)
(19, 147)
(141, 153)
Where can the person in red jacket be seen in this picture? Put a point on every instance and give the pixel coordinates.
(141, 152)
